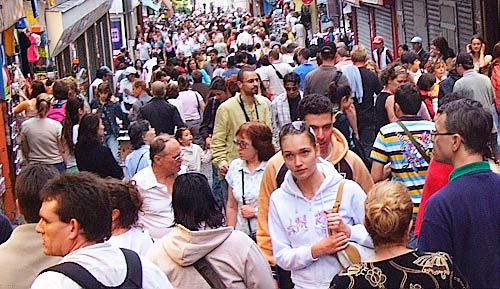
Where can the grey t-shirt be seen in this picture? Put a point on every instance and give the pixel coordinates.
(41, 135)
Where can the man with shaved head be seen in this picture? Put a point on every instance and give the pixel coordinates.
(163, 116)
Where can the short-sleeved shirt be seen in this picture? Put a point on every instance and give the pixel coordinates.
(143, 50)
(251, 189)
(42, 136)
(407, 164)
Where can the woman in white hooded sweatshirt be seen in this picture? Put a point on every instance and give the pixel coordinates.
(300, 217)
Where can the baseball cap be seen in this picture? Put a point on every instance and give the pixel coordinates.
(326, 49)
(416, 39)
(130, 70)
(378, 39)
(106, 70)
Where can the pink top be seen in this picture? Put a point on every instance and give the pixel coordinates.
(191, 104)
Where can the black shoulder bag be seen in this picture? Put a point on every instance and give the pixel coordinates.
(415, 143)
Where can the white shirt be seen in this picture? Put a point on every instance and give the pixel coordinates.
(157, 215)
(107, 264)
(244, 38)
(185, 47)
(143, 50)
(268, 73)
(134, 239)
(126, 84)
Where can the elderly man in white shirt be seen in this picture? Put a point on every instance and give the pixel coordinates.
(155, 185)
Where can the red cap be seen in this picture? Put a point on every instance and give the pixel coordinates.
(378, 39)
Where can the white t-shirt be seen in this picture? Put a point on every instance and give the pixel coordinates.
(126, 84)
(191, 104)
(143, 50)
(269, 73)
(41, 136)
(107, 264)
(134, 239)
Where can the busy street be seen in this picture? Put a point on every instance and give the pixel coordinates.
(261, 144)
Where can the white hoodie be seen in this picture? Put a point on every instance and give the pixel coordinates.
(296, 224)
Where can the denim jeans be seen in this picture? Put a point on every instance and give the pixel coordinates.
(111, 142)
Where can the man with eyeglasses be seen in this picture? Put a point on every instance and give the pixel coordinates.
(245, 106)
(316, 111)
(155, 184)
(402, 149)
(463, 218)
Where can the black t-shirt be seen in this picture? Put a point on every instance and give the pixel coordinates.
(371, 86)
(380, 112)
(293, 104)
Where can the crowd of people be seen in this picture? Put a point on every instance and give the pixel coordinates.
(331, 166)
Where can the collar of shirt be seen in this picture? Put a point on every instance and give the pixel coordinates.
(147, 179)
(244, 167)
(469, 168)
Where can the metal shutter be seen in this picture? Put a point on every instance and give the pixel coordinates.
(363, 27)
(433, 18)
(408, 21)
(81, 51)
(383, 25)
(465, 23)
(106, 39)
(93, 50)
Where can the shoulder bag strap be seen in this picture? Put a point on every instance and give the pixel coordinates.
(338, 199)
(139, 162)
(243, 197)
(77, 273)
(197, 101)
(414, 142)
(134, 269)
(209, 274)
(277, 72)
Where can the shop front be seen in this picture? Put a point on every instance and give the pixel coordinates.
(79, 30)
(11, 11)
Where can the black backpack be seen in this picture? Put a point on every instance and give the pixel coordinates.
(82, 277)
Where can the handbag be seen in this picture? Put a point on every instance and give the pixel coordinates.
(354, 253)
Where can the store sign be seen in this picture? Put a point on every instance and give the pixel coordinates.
(307, 2)
(10, 12)
(116, 34)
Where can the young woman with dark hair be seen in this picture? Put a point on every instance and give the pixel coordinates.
(141, 134)
(28, 106)
(75, 110)
(90, 154)
(200, 232)
(255, 148)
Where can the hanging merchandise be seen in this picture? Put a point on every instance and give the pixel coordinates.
(21, 24)
(33, 49)
(9, 41)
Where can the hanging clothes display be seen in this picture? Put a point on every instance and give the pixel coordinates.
(33, 49)
(24, 44)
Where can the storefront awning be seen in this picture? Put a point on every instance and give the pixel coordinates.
(10, 12)
(67, 21)
(151, 4)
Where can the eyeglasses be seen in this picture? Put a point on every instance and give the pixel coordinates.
(434, 133)
(241, 144)
(178, 157)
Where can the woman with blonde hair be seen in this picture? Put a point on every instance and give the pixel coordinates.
(388, 219)
(41, 137)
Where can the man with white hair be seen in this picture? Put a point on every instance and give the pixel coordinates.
(244, 37)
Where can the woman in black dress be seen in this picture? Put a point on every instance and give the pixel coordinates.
(90, 154)
(388, 214)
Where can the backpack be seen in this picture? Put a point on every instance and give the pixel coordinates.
(82, 276)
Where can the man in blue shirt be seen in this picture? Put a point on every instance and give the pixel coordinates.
(463, 218)
(304, 67)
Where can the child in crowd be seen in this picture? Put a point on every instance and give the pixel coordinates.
(192, 154)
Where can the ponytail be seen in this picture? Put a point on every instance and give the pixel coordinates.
(42, 105)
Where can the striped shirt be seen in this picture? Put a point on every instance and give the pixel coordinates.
(407, 164)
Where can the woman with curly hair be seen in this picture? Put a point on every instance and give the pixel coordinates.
(388, 214)
(126, 203)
